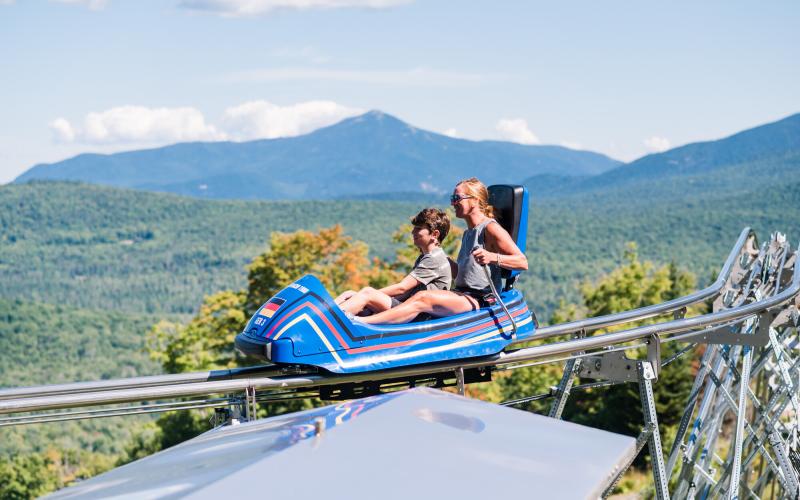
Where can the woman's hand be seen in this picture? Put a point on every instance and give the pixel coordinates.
(483, 256)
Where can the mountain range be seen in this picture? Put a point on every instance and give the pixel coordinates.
(762, 155)
(377, 156)
(364, 156)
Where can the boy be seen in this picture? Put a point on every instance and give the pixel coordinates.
(431, 270)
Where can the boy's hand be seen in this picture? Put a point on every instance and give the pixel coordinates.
(345, 296)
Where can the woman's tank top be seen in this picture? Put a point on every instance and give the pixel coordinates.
(470, 273)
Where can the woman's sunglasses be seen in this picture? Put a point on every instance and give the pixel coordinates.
(455, 198)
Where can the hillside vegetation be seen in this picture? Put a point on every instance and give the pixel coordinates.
(52, 344)
(97, 247)
(129, 251)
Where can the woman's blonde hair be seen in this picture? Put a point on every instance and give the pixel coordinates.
(477, 190)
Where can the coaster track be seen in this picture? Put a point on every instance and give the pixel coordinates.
(748, 373)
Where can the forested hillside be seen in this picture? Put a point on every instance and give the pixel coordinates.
(123, 250)
(97, 247)
(51, 344)
(58, 343)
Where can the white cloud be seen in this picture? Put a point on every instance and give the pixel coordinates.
(516, 130)
(141, 126)
(451, 132)
(256, 7)
(138, 125)
(6, 2)
(91, 4)
(62, 130)
(657, 144)
(264, 120)
(415, 77)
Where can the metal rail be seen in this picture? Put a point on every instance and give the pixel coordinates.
(139, 382)
(746, 243)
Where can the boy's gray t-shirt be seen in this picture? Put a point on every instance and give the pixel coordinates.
(432, 270)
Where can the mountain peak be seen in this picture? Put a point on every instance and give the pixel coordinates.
(375, 117)
(376, 114)
(370, 123)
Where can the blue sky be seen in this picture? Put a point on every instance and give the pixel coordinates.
(620, 78)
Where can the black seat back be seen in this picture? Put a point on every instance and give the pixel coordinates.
(511, 211)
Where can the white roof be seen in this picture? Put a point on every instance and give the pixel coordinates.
(419, 443)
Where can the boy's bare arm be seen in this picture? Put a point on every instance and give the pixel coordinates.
(404, 286)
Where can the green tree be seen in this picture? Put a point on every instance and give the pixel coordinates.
(147, 440)
(207, 341)
(339, 262)
(632, 285)
(28, 476)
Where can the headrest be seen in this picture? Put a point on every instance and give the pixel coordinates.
(511, 211)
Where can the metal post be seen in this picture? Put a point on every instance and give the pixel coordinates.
(646, 374)
(677, 445)
(235, 416)
(744, 385)
(251, 405)
(564, 387)
(641, 441)
(460, 380)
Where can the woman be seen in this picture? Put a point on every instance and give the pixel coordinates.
(484, 242)
(431, 270)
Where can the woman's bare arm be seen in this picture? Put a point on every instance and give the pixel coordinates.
(499, 243)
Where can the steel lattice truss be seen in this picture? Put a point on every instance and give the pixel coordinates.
(738, 436)
(754, 384)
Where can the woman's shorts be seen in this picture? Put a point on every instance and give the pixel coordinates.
(483, 298)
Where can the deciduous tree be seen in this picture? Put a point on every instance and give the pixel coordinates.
(634, 284)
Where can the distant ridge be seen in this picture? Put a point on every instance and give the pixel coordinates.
(360, 157)
(735, 162)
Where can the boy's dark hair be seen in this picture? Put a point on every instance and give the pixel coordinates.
(434, 220)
